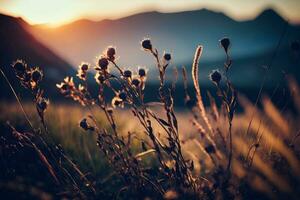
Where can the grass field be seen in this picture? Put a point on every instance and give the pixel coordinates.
(99, 149)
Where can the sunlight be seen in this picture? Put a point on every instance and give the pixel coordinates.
(57, 12)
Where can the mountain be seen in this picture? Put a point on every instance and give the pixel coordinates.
(178, 33)
(175, 32)
(18, 43)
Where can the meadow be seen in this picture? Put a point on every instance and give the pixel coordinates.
(126, 147)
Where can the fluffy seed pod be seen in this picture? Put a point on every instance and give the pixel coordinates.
(82, 88)
(43, 104)
(142, 72)
(136, 82)
(64, 87)
(215, 76)
(167, 56)
(116, 102)
(146, 44)
(127, 73)
(103, 63)
(84, 66)
(20, 66)
(110, 53)
(85, 125)
(100, 78)
(36, 75)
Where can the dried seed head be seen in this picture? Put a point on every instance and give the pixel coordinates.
(142, 72)
(110, 53)
(210, 149)
(64, 86)
(84, 66)
(20, 66)
(82, 88)
(167, 56)
(127, 73)
(136, 82)
(123, 96)
(100, 78)
(36, 75)
(103, 63)
(215, 76)
(43, 104)
(83, 124)
(146, 44)
(295, 46)
(225, 43)
(116, 102)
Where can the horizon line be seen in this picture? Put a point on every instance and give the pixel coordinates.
(130, 14)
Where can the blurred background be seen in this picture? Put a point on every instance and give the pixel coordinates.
(59, 35)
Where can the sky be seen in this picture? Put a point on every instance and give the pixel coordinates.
(58, 12)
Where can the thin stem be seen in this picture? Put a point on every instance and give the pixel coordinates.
(17, 98)
(230, 147)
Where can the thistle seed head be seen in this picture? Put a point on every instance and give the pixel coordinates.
(64, 86)
(20, 66)
(36, 75)
(110, 53)
(83, 124)
(100, 78)
(103, 63)
(127, 73)
(142, 72)
(167, 56)
(225, 43)
(43, 104)
(215, 76)
(135, 82)
(146, 44)
(117, 102)
(84, 66)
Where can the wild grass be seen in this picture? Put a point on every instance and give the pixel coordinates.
(126, 147)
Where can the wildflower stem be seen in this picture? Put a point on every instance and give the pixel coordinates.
(17, 98)
(120, 70)
(230, 147)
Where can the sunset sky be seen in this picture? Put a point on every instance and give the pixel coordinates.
(58, 12)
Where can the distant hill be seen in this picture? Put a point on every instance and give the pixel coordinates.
(18, 43)
(178, 33)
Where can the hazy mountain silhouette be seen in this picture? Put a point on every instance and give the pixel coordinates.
(17, 43)
(178, 33)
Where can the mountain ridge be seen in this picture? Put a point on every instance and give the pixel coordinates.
(178, 33)
(17, 43)
(267, 11)
(187, 29)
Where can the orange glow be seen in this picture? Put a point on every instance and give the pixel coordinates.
(57, 12)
